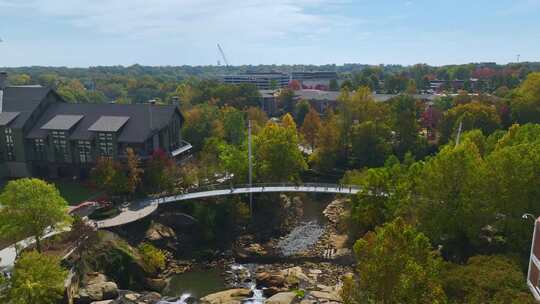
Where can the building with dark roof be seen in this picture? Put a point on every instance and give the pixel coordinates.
(42, 135)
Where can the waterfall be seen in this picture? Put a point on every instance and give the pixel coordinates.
(182, 300)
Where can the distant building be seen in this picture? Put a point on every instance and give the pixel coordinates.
(315, 80)
(42, 135)
(263, 81)
(269, 100)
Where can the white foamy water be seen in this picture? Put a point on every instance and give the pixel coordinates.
(301, 238)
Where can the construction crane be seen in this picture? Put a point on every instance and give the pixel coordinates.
(223, 55)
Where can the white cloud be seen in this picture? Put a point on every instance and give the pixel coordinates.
(248, 21)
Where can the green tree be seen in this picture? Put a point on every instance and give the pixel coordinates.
(486, 279)
(396, 264)
(286, 100)
(525, 106)
(370, 144)
(301, 110)
(405, 124)
(234, 125)
(29, 206)
(473, 115)
(277, 155)
(333, 85)
(451, 202)
(201, 123)
(37, 279)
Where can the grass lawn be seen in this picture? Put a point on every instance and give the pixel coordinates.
(74, 192)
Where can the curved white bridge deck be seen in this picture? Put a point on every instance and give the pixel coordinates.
(144, 208)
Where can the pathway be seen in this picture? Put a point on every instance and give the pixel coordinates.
(144, 208)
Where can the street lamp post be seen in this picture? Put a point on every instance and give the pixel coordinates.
(250, 176)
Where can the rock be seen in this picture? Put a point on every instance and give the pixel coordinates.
(325, 296)
(155, 284)
(281, 298)
(232, 296)
(270, 291)
(97, 292)
(267, 279)
(158, 232)
(256, 249)
(295, 275)
(103, 302)
(132, 296)
(315, 271)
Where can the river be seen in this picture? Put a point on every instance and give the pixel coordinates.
(201, 282)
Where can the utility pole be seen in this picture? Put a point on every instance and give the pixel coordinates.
(250, 176)
(518, 56)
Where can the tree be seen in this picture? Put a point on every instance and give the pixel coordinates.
(370, 144)
(405, 124)
(333, 85)
(301, 110)
(37, 279)
(310, 127)
(234, 125)
(286, 100)
(452, 207)
(29, 206)
(202, 122)
(473, 115)
(397, 265)
(288, 122)
(104, 173)
(161, 173)
(486, 279)
(278, 158)
(234, 159)
(525, 106)
(325, 156)
(134, 172)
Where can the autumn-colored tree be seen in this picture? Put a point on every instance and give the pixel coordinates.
(258, 119)
(396, 264)
(161, 173)
(103, 173)
(295, 85)
(326, 155)
(134, 171)
(486, 279)
(311, 127)
(288, 122)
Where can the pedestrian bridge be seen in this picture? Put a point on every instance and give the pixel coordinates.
(143, 208)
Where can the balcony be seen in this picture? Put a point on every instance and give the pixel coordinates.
(183, 147)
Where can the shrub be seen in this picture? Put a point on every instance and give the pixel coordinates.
(152, 257)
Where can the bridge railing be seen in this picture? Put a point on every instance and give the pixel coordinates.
(224, 186)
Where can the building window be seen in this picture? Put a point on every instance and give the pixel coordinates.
(10, 153)
(39, 148)
(85, 155)
(105, 144)
(60, 145)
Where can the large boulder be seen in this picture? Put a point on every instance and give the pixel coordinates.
(158, 232)
(295, 275)
(325, 296)
(155, 284)
(97, 292)
(96, 288)
(232, 296)
(267, 279)
(282, 298)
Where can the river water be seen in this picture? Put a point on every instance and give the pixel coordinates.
(198, 283)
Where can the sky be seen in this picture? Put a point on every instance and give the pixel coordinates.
(81, 33)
